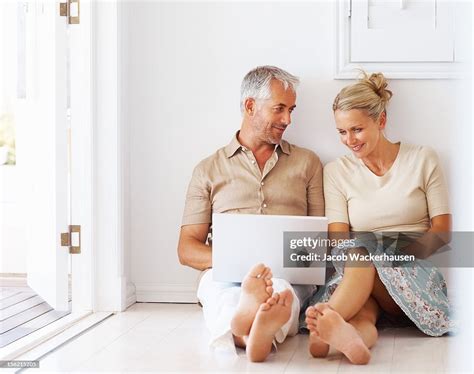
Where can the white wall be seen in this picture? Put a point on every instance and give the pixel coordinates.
(182, 68)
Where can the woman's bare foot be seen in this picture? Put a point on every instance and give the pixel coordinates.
(317, 347)
(271, 316)
(341, 335)
(256, 289)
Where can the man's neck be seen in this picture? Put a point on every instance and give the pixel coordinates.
(246, 137)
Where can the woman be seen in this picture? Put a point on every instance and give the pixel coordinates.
(380, 187)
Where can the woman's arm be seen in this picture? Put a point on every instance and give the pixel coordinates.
(436, 237)
(338, 230)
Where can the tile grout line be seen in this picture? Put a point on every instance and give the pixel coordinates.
(293, 355)
(393, 351)
(339, 364)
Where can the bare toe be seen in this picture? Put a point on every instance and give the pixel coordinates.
(256, 271)
(310, 323)
(265, 306)
(321, 307)
(271, 301)
(286, 298)
(311, 312)
(276, 296)
(265, 273)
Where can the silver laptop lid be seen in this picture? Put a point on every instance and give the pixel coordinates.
(240, 241)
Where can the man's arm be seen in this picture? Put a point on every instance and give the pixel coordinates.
(192, 250)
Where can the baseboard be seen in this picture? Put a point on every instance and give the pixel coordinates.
(165, 293)
(131, 297)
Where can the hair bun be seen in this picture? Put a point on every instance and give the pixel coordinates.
(379, 84)
(369, 93)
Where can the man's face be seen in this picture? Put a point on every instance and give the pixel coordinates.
(272, 116)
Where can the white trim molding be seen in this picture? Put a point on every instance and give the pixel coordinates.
(346, 69)
(131, 295)
(170, 293)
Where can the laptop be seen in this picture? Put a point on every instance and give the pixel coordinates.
(292, 246)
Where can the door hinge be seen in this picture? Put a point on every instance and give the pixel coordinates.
(70, 9)
(72, 239)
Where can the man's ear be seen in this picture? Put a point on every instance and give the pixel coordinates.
(250, 106)
(382, 120)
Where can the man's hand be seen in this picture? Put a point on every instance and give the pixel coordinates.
(192, 250)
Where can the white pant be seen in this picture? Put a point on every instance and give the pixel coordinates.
(220, 299)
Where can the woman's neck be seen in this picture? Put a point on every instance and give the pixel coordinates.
(382, 158)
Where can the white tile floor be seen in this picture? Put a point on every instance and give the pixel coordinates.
(172, 337)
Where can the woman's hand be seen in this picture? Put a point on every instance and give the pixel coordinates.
(436, 237)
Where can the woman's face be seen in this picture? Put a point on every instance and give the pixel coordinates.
(359, 132)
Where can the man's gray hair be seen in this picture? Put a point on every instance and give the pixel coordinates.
(256, 83)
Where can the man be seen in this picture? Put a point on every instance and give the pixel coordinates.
(256, 173)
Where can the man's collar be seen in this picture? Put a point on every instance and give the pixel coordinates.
(285, 147)
(235, 145)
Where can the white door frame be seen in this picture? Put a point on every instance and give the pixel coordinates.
(101, 273)
(82, 148)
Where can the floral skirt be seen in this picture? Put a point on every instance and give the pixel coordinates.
(418, 287)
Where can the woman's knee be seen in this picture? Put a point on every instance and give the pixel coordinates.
(360, 272)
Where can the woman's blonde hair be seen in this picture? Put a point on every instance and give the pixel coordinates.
(369, 93)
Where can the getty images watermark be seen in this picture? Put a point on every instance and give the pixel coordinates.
(314, 249)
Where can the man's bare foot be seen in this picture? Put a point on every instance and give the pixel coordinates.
(317, 347)
(341, 335)
(256, 289)
(271, 316)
